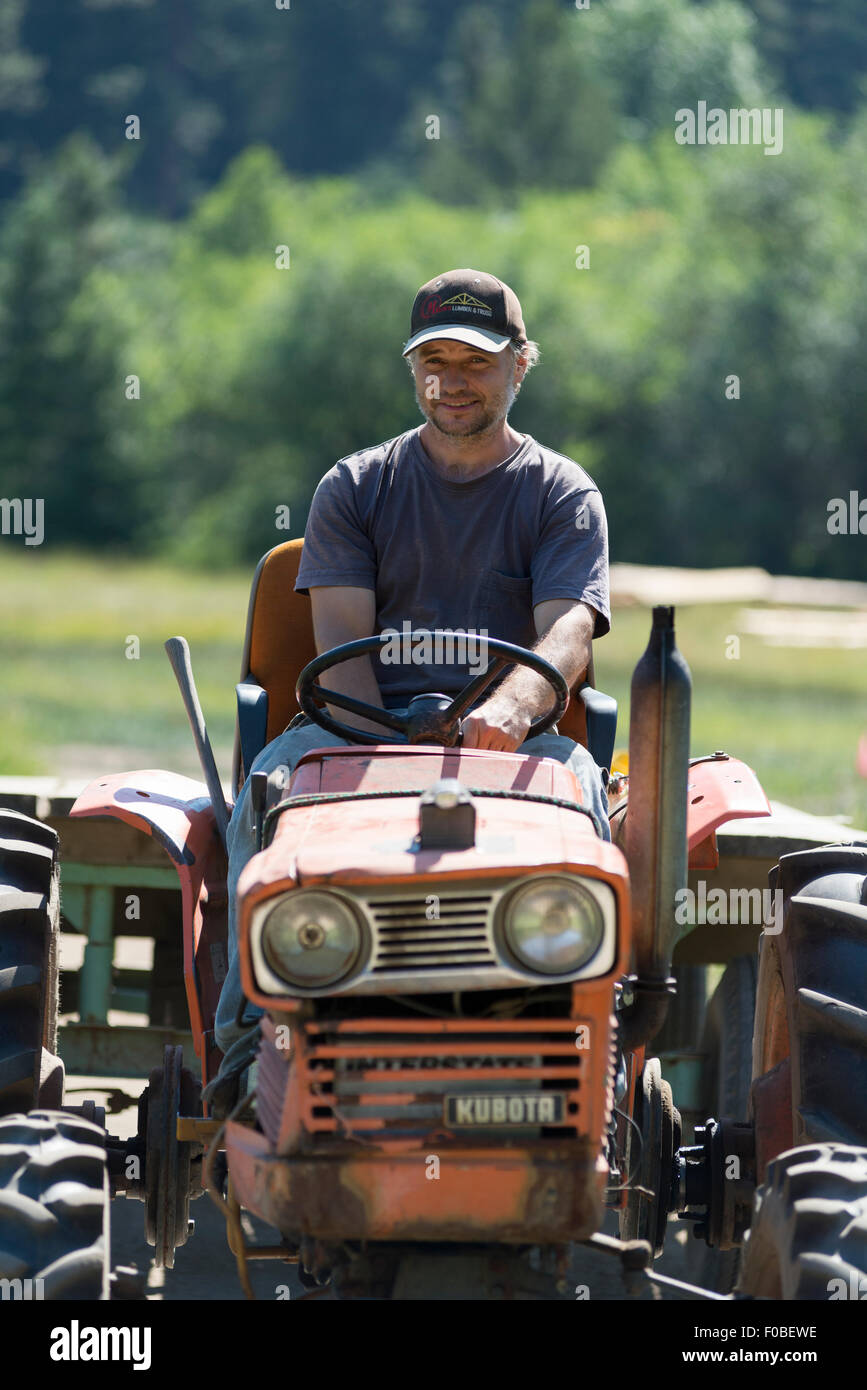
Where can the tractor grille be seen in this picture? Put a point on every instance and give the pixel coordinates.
(413, 933)
(272, 1075)
(391, 1084)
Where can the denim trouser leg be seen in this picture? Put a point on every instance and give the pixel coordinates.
(288, 749)
(591, 778)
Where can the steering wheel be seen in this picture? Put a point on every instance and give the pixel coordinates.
(430, 718)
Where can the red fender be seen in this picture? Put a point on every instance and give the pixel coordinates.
(176, 811)
(718, 789)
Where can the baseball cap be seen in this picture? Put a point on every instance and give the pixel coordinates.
(469, 306)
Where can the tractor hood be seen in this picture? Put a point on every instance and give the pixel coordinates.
(359, 823)
(352, 816)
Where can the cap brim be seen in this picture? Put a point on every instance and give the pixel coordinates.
(476, 337)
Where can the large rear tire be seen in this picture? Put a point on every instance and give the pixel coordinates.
(811, 1005)
(54, 1203)
(30, 1072)
(808, 1238)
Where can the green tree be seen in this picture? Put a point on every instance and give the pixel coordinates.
(818, 48)
(519, 106)
(660, 55)
(61, 353)
(22, 93)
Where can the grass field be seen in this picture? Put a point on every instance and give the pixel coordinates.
(72, 700)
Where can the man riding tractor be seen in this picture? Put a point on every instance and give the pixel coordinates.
(461, 525)
(449, 963)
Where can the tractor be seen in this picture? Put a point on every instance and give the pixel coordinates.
(468, 999)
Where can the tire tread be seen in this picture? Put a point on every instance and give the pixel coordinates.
(54, 1204)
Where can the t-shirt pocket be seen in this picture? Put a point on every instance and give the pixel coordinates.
(507, 602)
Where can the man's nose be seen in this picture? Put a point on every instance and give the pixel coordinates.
(452, 380)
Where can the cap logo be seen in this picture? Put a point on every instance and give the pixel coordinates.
(467, 303)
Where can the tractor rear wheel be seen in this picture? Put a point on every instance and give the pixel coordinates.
(811, 1005)
(808, 1239)
(30, 1072)
(54, 1197)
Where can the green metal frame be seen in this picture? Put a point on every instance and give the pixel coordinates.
(87, 898)
(92, 1046)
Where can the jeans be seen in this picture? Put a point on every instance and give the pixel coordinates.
(289, 748)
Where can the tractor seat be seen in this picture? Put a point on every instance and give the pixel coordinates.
(279, 643)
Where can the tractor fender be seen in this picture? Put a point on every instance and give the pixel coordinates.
(176, 811)
(718, 789)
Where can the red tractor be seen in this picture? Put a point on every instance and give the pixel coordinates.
(461, 983)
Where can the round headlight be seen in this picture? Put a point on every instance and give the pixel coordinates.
(311, 938)
(553, 926)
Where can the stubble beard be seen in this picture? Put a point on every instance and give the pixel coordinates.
(493, 415)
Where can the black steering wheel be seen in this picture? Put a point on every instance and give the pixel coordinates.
(433, 718)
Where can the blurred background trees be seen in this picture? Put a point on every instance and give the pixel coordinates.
(157, 259)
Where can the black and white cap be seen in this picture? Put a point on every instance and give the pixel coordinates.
(469, 306)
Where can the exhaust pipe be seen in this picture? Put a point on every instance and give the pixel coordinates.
(655, 831)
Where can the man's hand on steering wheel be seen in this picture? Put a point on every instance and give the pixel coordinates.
(501, 723)
(498, 724)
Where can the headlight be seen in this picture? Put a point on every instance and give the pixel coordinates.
(311, 938)
(553, 926)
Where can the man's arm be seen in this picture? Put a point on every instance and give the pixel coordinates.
(344, 614)
(565, 629)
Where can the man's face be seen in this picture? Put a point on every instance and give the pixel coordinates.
(463, 391)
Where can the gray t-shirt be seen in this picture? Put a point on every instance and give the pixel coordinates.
(469, 556)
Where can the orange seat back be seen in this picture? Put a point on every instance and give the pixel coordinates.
(279, 642)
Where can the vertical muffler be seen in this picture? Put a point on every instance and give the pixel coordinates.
(655, 832)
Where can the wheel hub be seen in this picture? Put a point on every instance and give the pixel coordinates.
(715, 1181)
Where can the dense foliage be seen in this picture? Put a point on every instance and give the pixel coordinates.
(170, 380)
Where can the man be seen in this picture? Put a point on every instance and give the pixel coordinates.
(460, 524)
